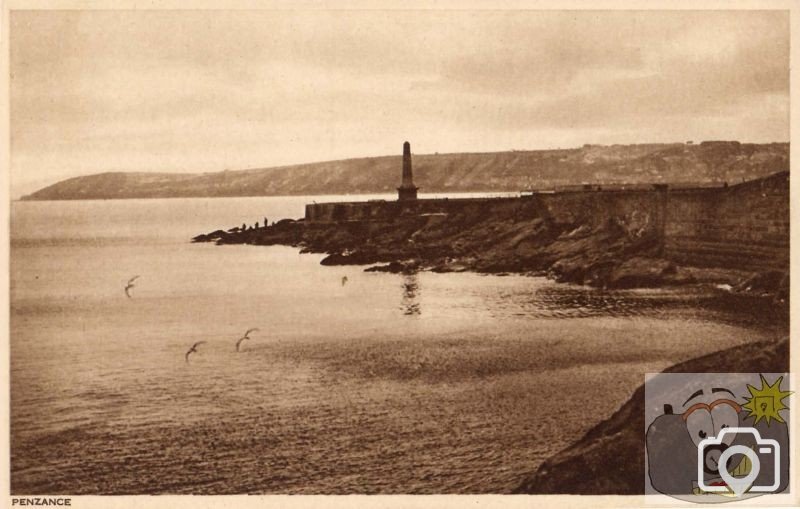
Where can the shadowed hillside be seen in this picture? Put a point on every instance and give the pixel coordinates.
(497, 171)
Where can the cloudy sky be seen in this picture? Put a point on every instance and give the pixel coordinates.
(188, 91)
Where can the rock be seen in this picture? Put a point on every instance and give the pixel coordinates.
(393, 267)
(407, 267)
(210, 237)
(609, 252)
(359, 257)
(640, 271)
(609, 459)
(773, 283)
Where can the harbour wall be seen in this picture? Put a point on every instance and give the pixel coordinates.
(744, 226)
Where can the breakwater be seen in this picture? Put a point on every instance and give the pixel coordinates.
(744, 226)
(623, 236)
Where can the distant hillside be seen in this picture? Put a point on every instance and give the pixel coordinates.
(497, 171)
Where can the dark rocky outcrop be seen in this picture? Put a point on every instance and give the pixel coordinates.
(407, 267)
(609, 459)
(642, 271)
(502, 237)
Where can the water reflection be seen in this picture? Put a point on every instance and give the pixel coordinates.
(570, 301)
(410, 301)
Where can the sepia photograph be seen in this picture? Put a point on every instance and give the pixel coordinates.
(368, 249)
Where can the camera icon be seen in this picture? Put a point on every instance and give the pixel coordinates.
(714, 454)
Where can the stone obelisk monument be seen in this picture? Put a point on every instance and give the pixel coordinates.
(407, 190)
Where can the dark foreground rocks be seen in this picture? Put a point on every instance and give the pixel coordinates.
(610, 252)
(609, 459)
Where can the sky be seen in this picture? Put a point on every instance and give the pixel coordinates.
(196, 91)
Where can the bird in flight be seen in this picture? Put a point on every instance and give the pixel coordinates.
(344, 280)
(246, 336)
(193, 349)
(130, 285)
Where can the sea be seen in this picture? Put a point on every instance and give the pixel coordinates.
(353, 382)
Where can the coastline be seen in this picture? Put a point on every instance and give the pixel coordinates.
(591, 464)
(501, 237)
(610, 240)
(609, 458)
(470, 386)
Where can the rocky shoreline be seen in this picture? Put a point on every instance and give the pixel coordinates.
(607, 254)
(609, 459)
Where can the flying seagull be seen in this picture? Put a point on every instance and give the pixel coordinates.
(246, 336)
(193, 349)
(130, 285)
(344, 280)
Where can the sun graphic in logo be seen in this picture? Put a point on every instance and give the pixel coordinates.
(766, 403)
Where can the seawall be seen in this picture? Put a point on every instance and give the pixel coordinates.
(743, 226)
(746, 225)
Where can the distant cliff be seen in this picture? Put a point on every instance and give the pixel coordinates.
(498, 171)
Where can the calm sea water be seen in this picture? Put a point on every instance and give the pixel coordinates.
(433, 383)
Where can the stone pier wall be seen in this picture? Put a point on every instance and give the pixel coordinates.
(746, 225)
(384, 209)
(740, 226)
